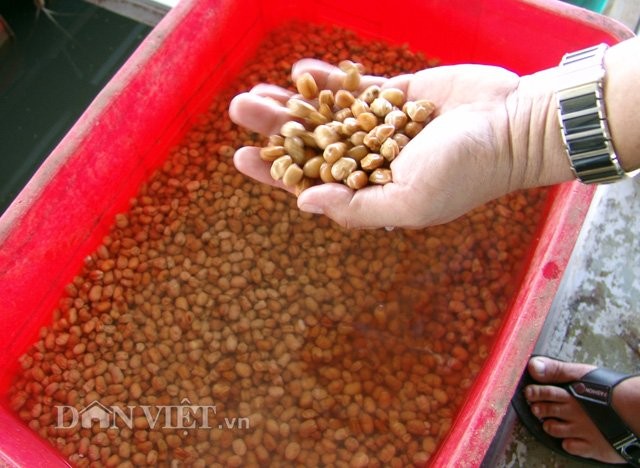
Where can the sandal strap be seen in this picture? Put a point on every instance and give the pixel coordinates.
(594, 391)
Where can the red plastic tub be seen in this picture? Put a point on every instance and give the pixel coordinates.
(70, 203)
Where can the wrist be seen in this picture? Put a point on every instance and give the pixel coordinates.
(590, 105)
(539, 155)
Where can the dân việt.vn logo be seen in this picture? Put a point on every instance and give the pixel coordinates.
(184, 416)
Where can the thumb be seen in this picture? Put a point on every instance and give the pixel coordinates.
(370, 207)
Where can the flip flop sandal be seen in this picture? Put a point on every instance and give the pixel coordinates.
(593, 391)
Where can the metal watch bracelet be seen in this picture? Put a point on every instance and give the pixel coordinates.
(583, 118)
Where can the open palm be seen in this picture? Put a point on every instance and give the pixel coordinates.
(460, 160)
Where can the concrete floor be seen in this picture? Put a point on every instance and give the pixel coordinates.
(594, 317)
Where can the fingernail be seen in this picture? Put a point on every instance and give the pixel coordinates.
(538, 366)
(309, 208)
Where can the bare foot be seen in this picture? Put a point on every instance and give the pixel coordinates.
(564, 417)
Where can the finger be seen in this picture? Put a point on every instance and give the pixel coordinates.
(371, 207)
(258, 113)
(278, 94)
(454, 85)
(401, 82)
(328, 76)
(434, 84)
(429, 83)
(247, 160)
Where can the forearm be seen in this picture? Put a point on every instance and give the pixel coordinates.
(622, 100)
(536, 135)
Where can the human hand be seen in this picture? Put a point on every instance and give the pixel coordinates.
(467, 155)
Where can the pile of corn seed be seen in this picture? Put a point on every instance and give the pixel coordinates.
(342, 137)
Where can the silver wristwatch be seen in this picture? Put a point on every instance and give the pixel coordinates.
(583, 119)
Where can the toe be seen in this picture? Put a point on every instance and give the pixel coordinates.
(549, 410)
(579, 447)
(560, 429)
(587, 449)
(550, 393)
(547, 370)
